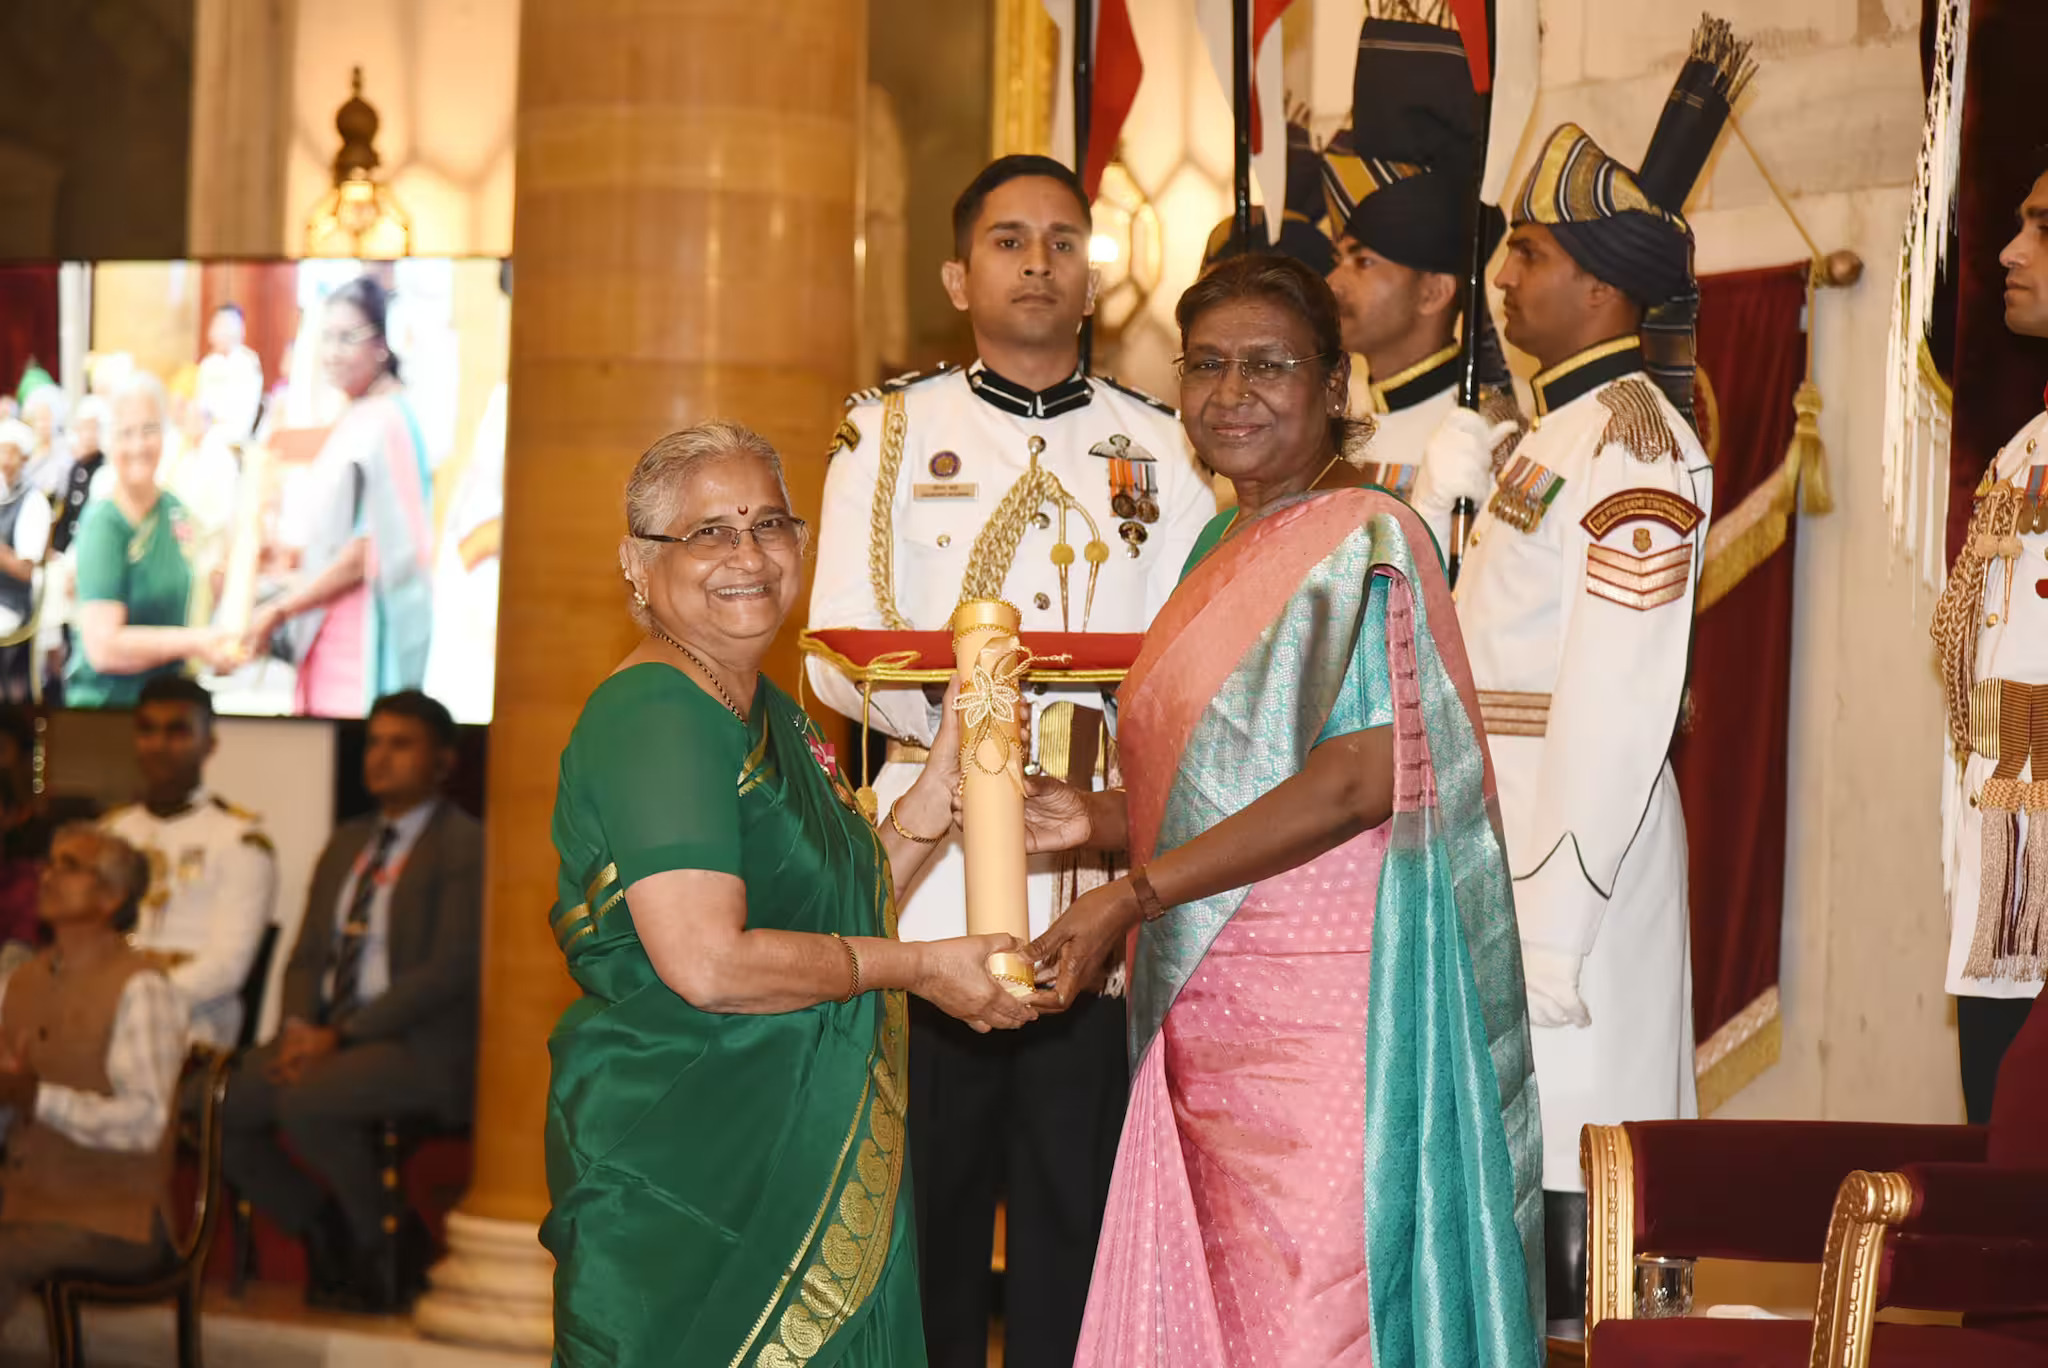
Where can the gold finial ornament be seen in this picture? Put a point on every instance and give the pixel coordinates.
(359, 216)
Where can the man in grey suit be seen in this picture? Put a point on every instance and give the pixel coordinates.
(380, 1011)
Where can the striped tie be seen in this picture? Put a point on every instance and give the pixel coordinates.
(348, 956)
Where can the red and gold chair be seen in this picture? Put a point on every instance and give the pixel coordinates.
(1924, 1218)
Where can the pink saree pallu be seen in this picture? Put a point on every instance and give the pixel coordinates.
(1332, 1150)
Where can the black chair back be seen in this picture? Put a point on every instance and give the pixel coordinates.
(64, 1293)
(212, 1067)
(256, 987)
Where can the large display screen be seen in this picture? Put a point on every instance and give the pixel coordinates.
(284, 478)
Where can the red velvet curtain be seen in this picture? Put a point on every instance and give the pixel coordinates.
(1731, 760)
(28, 322)
(1997, 377)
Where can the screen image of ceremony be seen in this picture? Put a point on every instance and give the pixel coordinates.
(292, 470)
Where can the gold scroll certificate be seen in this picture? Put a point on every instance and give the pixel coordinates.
(990, 662)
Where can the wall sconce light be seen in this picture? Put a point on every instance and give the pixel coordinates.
(1125, 249)
(359, 217)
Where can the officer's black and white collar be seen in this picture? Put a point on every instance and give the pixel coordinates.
(1009, 396)
(1424, 380)
(1579, 375)
(191, 802)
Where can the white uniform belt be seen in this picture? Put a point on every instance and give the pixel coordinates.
(1514, 714)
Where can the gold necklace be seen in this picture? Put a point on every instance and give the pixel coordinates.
(1231, 526)
(723, 696)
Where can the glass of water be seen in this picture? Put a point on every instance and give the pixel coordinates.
(1663, 1287)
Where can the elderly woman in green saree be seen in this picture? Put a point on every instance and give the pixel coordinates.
(725, 1128)
(1332, 1150)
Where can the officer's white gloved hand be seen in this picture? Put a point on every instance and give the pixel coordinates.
(1552, 977)
(1459, 456)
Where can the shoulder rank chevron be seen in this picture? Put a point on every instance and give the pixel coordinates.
(873, 393)
(1121, 388)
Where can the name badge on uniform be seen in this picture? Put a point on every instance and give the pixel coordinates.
(945, 489)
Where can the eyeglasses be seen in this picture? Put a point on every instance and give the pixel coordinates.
(1256, 370)
(348, 337)
(781, 533)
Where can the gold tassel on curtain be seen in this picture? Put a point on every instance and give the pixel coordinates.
(1807, 456)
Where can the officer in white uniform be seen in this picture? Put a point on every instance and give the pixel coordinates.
(1076, 499)
(212, 871)
(1991, 634)
(1576, 601)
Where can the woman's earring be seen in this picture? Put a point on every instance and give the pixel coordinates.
(639, 597)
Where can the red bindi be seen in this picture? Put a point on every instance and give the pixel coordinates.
(743, 510)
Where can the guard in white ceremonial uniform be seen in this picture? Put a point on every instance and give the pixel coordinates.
(1395, 187)
(1991, 637)
(1576, 602)
(1076, 499)
(212, 870)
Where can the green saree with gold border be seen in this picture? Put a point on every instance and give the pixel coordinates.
(729, 1191)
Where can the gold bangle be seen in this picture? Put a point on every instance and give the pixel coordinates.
(910, 835)
(853, 961)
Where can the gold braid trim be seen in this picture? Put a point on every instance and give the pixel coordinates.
(1637, 423)
(1957, 613)
(995, 548)
(882, 520)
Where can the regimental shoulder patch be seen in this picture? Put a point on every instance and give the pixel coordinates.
(846, 439)
(1121, 388)
(1679, 514)
(874, 394)
(1524, 494)
(1639, 582)
(1636, 422)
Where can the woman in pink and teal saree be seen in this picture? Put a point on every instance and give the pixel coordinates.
(1332, 1152)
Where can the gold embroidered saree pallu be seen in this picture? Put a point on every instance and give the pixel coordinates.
(730, 1191)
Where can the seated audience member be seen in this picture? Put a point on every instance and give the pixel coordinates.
(24, 538)
(213, 874)
(380, 1004)
(43, 410)
(96, 1043)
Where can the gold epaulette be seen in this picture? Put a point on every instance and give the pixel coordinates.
(236, 810)
(1636, 423)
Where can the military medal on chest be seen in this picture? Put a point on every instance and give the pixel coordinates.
(1133, 488)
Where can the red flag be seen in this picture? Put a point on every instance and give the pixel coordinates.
(1471, 17)
(1265, 14)
(1118, 70)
